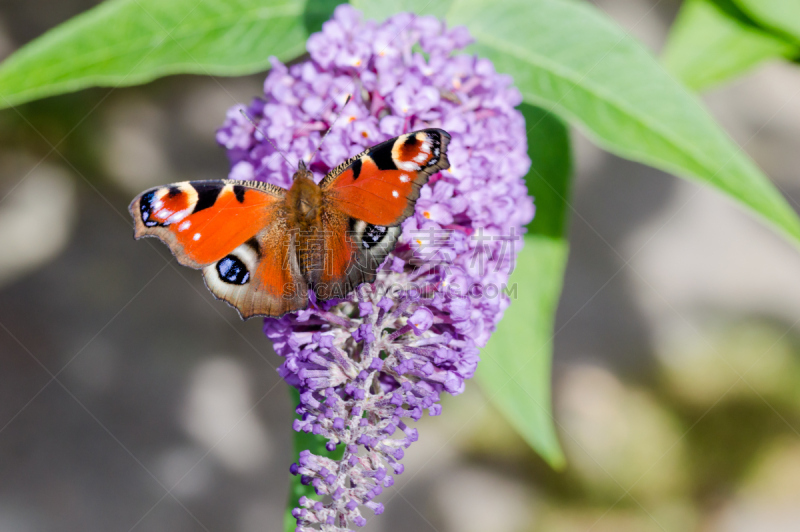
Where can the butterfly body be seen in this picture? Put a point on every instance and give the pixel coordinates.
(306, 204)
(261, 247)
(304, 199)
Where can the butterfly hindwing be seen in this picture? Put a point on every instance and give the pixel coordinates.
(235, 231)
(261, 277)
(354, 250)
(381, 185)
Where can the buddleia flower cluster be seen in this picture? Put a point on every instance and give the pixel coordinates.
(369, 365)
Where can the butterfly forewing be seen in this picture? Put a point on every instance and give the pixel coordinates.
(235, 232)
(381, 185)
(354, 250)
(365, 201)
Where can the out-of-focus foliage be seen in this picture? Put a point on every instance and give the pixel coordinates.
(713, 41)
(709, 45)
(571, 60)
(780, 16)
(515, 365)
(709, 444)
(127, 42)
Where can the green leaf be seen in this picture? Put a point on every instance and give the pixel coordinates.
(125, 42)
(381, 9)
(515, 365)
(572, 60)
(707, 45)
(781, 16)
(548, 180)
(315, 444)
(577, 63)
(317, 12)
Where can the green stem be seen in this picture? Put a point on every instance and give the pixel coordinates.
(315, 444)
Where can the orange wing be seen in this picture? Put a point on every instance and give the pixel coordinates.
(354, 250)
(236, 232)
(381, 185)
(261, 277)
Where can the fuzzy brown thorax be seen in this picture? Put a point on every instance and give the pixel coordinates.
(304, 199)
(304, 203)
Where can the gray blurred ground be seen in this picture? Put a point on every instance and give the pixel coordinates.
(131, 400)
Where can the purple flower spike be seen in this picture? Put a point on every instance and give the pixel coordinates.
(368, 363)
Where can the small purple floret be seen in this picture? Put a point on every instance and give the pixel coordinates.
(421, 320)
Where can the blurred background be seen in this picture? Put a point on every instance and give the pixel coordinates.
(131, 400)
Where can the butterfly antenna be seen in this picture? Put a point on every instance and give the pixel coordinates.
(330, 128)
(244, 113)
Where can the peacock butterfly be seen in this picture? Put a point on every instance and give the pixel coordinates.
(261, 247)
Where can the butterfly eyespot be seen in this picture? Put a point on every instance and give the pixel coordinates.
(232, 270)
(196, 237)
(167, 205)
(373, 235)
(146, 208)
(395, 194)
